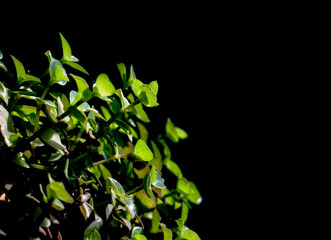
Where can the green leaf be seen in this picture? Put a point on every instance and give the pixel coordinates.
(147, 185)
(103, 86)
(190, 235)
(154, 86)
(184, 213)
(136, 84)
(77, 66)
(21, 74)
(142, 151)
(174, 133)
(83, 89)
(57, 190)
(183, 186)
(65, 48)
(167, 233)
(52, 138)
(155, 221)
(122, 69)
(7, 127)
(147, 96)
(140, 113)
(90, 230)
(137, 231)
(57, 73)
(139, 237)
(116, 186)
(194, 196)
(3, 93)
(173, 167)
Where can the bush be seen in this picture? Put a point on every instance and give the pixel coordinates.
(76, 157)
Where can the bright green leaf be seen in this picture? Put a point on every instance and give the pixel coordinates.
(183, 186)
(83, 89)
(147, 96)
(65, 48)
(103, 86)
(167, 233)
(142, 151)
(139, 237)
(190, 235)
(173, 167)
(136, 84)
(154, 86)
(21, 74)
(122, 69)
(155, 221)
(77, 66)
(184, 213)
(194, 196)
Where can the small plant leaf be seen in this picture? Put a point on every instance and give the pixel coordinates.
(147, 185)
(147, 96)
(57, 73)
(21, 74)
(65, 48)
(3, 93)
(167, 233)
(52, 138)
(83, 89)
(103, 86)
(57, 190)
(142, 151)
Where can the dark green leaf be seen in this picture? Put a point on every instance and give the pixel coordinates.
(147, 185)
(57, 190)
(139, 237)
(95, 225)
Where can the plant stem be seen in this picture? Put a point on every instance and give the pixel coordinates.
(110, 121)
(111, 158)
(39, 104)
(137, 189)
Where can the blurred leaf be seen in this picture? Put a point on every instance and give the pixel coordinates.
(154, 86)
(139, 237)
(116, 186)
(174, 133)
(184, 213)
(7, 128)
(90, 230)
(167, 233)
(3, 93)
(137, 231)
(173, 167)
(122, 69)
(194, 196)
(142, 151)
(183, 186)
(155, 221)
(190, 235)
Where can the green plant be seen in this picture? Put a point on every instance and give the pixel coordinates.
(76, 157)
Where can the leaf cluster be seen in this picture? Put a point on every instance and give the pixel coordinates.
(78, 151)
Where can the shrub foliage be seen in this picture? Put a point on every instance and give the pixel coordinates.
(75, 157)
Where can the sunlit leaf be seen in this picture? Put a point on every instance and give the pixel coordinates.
(83, 89)
(65, 48)
(167, 233)
(103, 86)
(147, 96)
(22, 76)
(173, 167)
(57, 73)
(142, 151)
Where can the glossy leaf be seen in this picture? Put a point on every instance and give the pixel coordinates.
(103, 86)
(90, 230)
(142, 151)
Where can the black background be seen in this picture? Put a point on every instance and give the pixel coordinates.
(183, 57)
